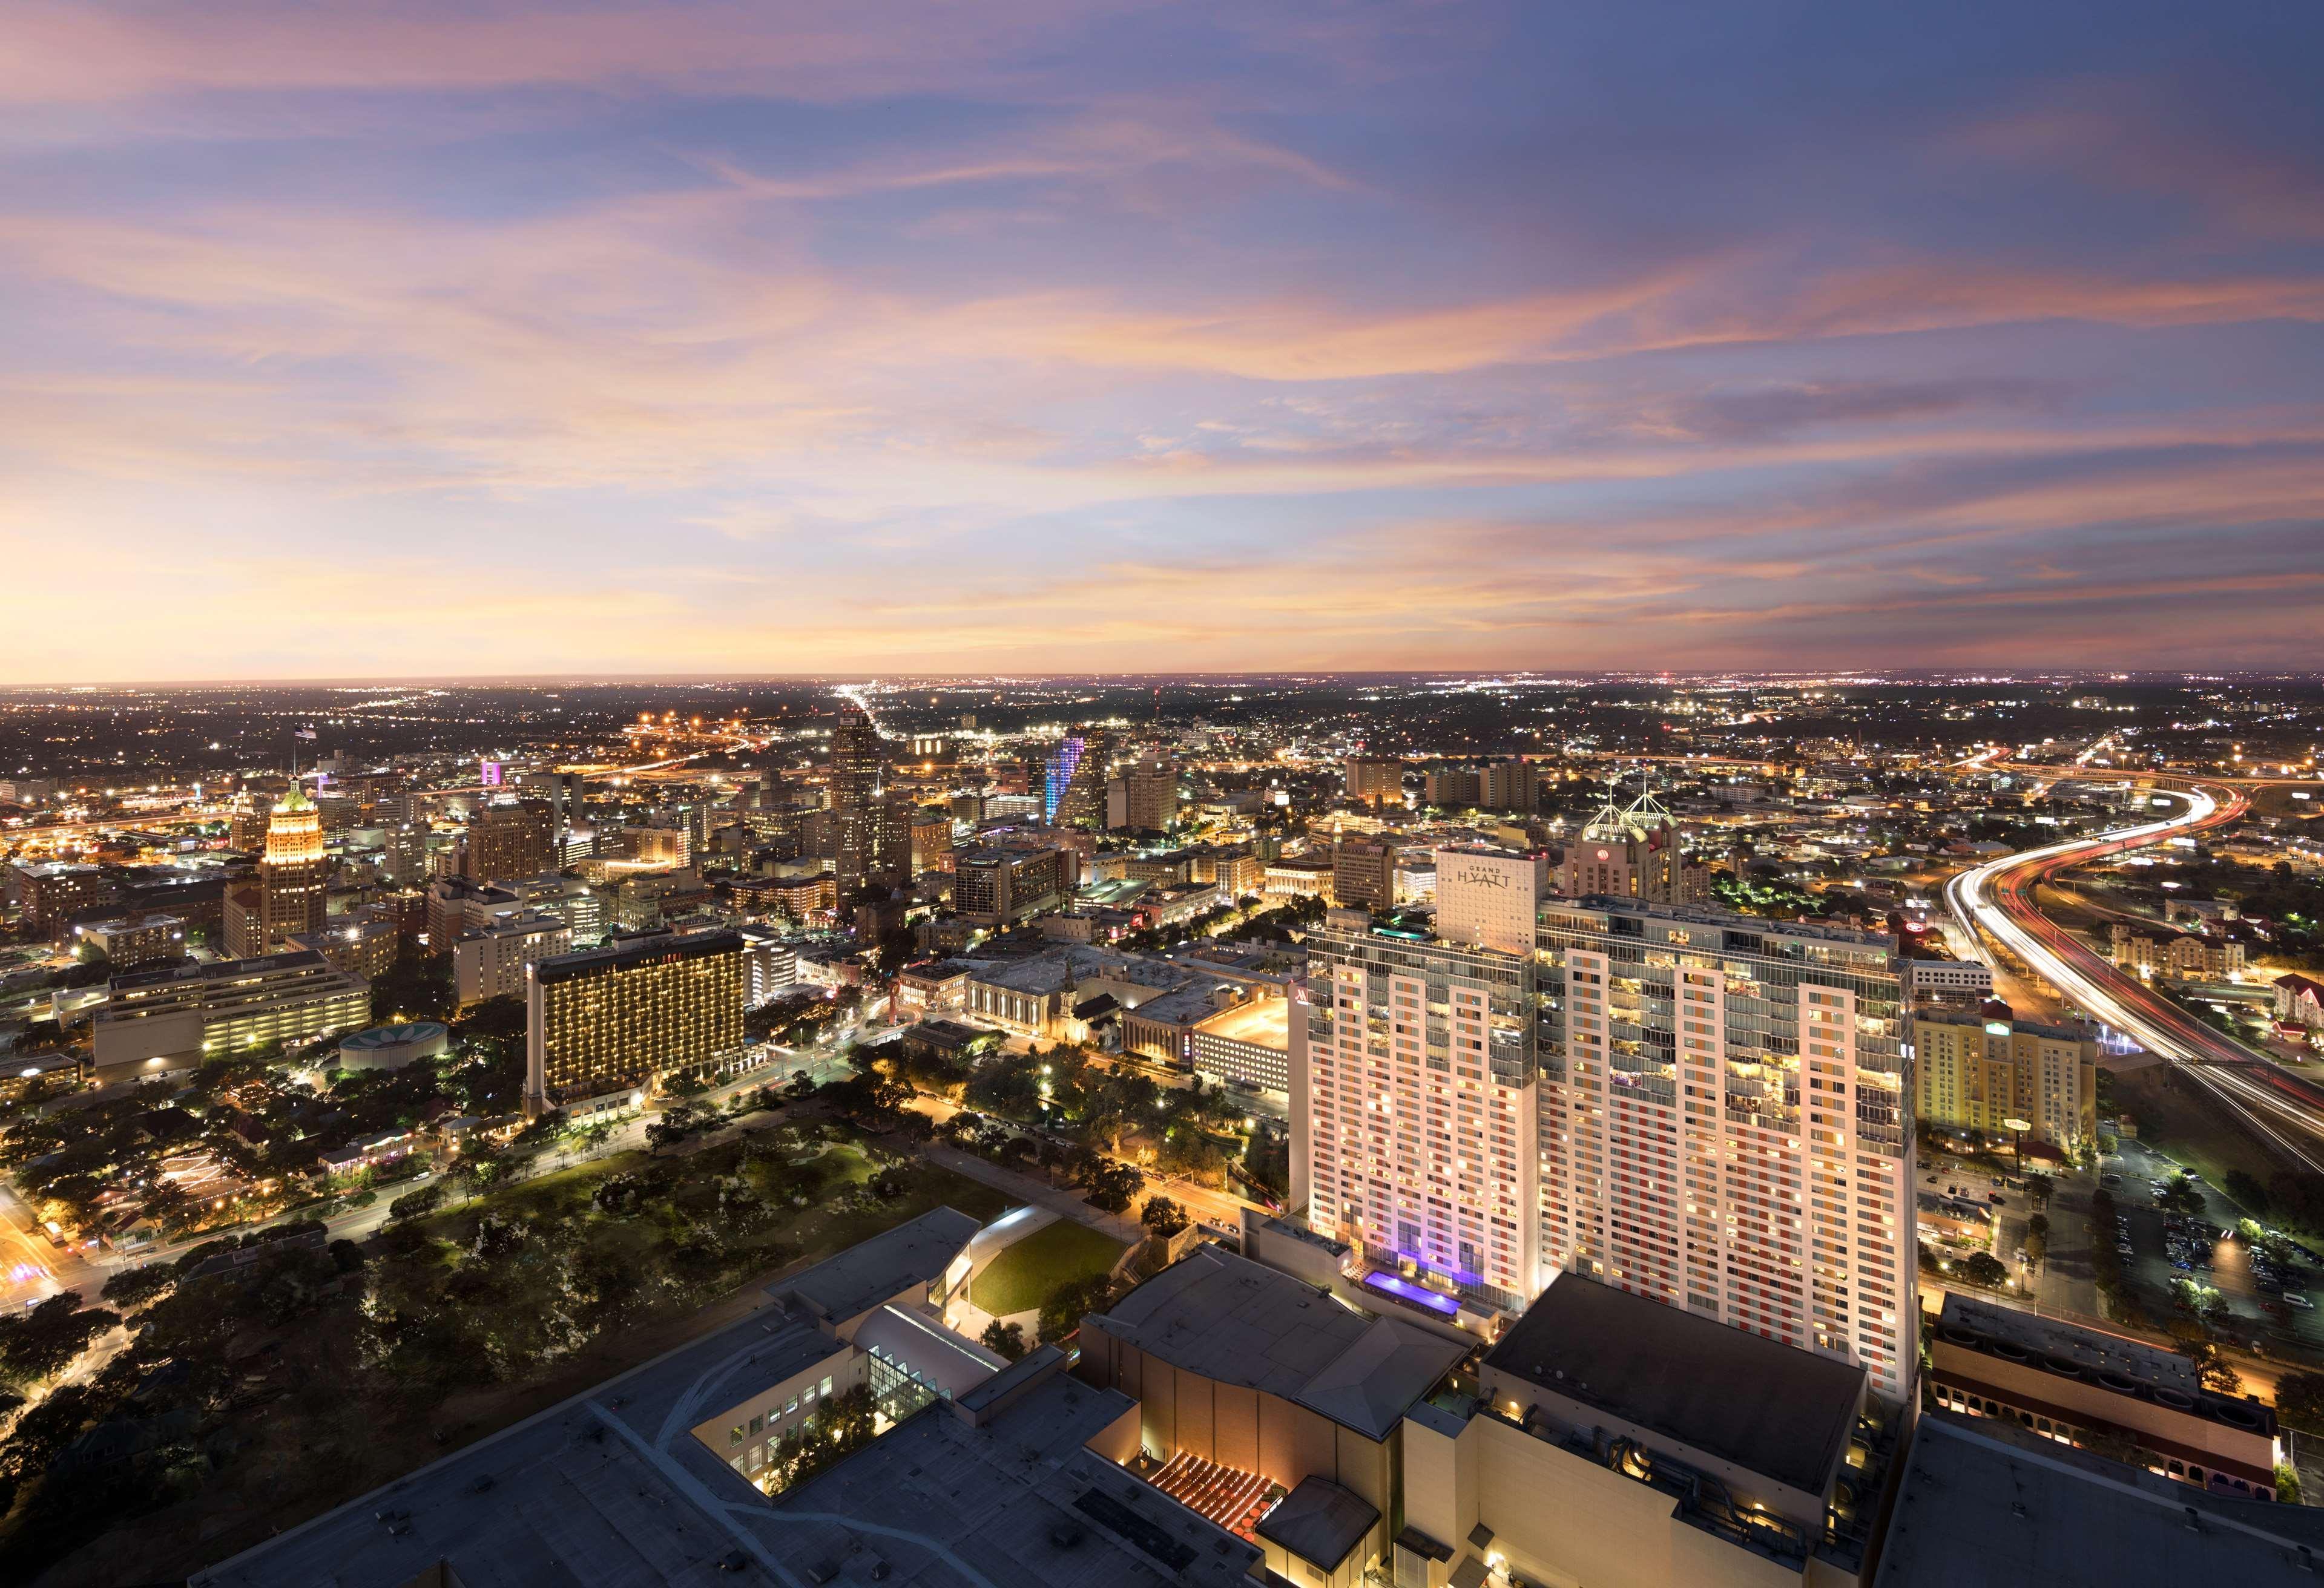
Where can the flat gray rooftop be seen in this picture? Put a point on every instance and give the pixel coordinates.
(2046, 1336)
(1319, 1521)
(1240, 1321)
(1771, 1408)
(883, 1267)
(2038, 1511)
(1017, 1503)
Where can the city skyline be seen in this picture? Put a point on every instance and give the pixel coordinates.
(1472, 338)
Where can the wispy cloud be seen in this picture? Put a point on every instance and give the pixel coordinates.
(1048, 335)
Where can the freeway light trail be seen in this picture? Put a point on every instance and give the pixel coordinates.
(1995, 899)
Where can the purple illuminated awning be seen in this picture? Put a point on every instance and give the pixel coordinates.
(1404, 1289)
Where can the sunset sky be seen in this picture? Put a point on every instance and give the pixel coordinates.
(1032, 335)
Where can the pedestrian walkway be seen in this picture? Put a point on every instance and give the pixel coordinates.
(1027, 1188)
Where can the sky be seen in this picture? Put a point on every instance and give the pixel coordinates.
(507, 337)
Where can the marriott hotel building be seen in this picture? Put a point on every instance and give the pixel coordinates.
(1703, 1108)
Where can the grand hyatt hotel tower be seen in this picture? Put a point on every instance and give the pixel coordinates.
(1699, 1108)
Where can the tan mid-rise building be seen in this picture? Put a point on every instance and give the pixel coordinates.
(1977, 1070)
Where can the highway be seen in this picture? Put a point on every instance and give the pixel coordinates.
(1994, 902)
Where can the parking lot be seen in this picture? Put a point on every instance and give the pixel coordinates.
(2165, 1247)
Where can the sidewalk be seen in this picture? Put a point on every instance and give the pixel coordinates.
(1027, 1188)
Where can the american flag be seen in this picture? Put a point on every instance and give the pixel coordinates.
(304, 733)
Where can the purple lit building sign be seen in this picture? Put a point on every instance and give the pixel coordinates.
(492, 774)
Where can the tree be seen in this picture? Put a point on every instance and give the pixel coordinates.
(134, 1287)
(2039, 1188)
(2181, 1195)
(412, 1204)
(1004, 1339)
(1983, 1268)
(43, 1342)
(2247, 1191)
(1071, 1302)
(2300, 1400)
(1163, 1217)
(1109, 1186)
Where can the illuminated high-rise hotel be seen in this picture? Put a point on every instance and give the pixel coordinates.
(1413, 1093)
(1696, 1107)
(1726, 1124)
(619, 1018)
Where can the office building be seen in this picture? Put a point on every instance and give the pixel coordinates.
(1726, 1123)
(2121, 1398)
(1513, 786)
(569, 898)
(403, 854)
(1975, 1069)
(1486, 897)
(361, 945)
(173, 1018)
(513, 838)
(657, 845)
(1946, 981)
(891, 838)
(1073, 792)
(293, 879)
(1413, 1108)
(1632, 853)
(1144, 798)
(931, 841)
(492, 963)
(245, 822)
(48, 893)
(857, 764)
(1375, 782)
(1363, 874)
(619, 1018)
(457, 906)
(1001, 885)
(131, 940)
(770, 964)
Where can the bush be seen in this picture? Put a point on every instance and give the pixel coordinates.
(1004, 1339)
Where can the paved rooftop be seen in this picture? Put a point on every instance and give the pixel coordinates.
(1017, 1503)
(1771, 1408)
(883, 1267)
(1240, 1322)
(2040, 1512)
(1319, 1521)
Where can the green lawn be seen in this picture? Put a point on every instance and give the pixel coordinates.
(1021, 1278)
